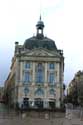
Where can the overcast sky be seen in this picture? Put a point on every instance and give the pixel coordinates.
(63, 21)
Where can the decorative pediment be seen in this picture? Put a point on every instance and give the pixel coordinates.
(40, 53)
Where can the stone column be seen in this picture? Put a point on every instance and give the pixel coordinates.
(58, 96)
(46, 84)
(17, 70)
(45, 103)
(21, 72)
(20, 92)
(58, 87)
(46, 75)
(45, 97)
(62, 79)
(17, 81)
(33, 83)
(33, 74)
(58, 72)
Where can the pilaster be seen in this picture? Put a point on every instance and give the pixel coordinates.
(33, 74)
(46, 75)
(21, 72)
(58, 96)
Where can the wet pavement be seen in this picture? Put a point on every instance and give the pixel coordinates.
(37, 121)
(8, 117)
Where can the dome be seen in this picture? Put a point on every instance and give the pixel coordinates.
(39, 42)
(40, 24)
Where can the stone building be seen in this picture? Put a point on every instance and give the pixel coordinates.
(75, 88)
(1, 94)
(36, 74)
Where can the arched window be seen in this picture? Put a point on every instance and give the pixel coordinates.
(39, 91)
(52, 91)
(39, 73)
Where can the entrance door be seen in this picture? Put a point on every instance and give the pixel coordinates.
(39, 103)
(26, 103)
(52, 104)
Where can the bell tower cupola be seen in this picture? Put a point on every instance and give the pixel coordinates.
(40, 26)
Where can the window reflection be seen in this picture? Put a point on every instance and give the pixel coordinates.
(39, 73)
(51, 66)
(27, 65)
(27, 77)
(51, 78)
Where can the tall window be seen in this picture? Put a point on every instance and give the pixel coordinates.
(27, 65)
(51, 78)
(51, 66)
(39, 73)
(27, 77)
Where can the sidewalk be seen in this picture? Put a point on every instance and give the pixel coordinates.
(37, 121)
(74, 121)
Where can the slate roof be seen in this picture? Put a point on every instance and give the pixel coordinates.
(39, 41)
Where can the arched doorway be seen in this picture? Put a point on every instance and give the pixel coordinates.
(26, 103)
(52, 104)
(38, 103)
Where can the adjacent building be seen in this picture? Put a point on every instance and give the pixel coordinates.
(75, 88)
(1, 94)
(36, 73)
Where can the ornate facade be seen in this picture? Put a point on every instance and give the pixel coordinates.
(37, 71)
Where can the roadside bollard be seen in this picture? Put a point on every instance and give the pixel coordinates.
(46, 116)
(23, 115)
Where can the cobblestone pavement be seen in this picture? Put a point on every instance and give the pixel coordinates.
(34, 118)
(38, 121)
